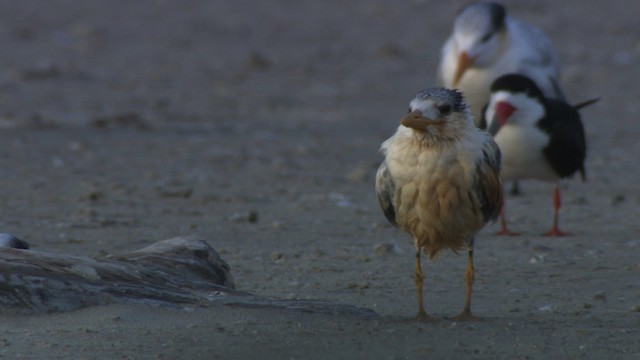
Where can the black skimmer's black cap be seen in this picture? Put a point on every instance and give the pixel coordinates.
(516, 83)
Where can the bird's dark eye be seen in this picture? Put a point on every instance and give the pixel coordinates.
(444, 109)
(409, 110)
(486, 38)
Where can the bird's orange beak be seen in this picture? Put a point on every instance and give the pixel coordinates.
(416, 121)
(464, 62)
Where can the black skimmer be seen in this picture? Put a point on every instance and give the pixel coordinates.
(440, 181)
(487, 43)
(540, 138)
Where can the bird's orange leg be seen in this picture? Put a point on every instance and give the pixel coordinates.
(555, 231)
(469, 275)
(504, 231)
(419, 281)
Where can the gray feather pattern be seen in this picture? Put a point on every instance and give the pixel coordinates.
(385, 188)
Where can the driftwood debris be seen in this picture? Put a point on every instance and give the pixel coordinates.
(175, 272)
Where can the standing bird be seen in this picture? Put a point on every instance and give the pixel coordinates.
(440, 180)
(540, 138)
(485, 44)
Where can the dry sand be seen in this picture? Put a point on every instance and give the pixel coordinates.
(127, 122)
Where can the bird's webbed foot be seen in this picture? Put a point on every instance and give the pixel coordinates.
(466, 315)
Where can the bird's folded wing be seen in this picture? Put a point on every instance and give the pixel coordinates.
(385, 188)
(489, 182)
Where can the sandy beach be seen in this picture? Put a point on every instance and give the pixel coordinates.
(256, 125)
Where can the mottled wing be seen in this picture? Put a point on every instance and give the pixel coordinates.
(489, 181)
(385, 188)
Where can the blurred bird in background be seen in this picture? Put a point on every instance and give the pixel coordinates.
(540, 138)
(487, 43)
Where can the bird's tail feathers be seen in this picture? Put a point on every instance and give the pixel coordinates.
(557, 90)
(586, 103)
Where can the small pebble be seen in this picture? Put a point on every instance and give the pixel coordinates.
(359, 174)
(546, 308)
(277, 257)
(617, 200)
(536, 259)
(600, 296)
(633, 243)
(390, 50)
(42, 70)
(250, 216)
(174, 189)
(258, 61)
(383, 248)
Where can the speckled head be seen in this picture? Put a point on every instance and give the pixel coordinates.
(436, 110)
(445, 100)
